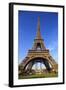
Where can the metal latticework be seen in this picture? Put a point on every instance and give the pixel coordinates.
(38, 52)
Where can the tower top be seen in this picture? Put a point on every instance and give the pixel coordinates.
(38, 36)
(38, 41)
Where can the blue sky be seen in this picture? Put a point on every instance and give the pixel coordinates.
(27, 28)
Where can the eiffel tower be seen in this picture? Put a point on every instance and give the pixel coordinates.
(38, 53)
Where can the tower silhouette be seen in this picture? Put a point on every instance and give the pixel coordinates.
(38, 53)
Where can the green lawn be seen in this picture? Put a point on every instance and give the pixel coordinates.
(45, 75)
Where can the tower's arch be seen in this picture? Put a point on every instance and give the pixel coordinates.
(32, 61)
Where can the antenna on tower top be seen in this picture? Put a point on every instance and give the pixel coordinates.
(38, 30)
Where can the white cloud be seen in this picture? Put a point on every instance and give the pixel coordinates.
(53, 48)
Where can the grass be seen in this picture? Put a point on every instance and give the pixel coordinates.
(42, 75)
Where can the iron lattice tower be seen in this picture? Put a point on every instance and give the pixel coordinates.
(39, 53)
